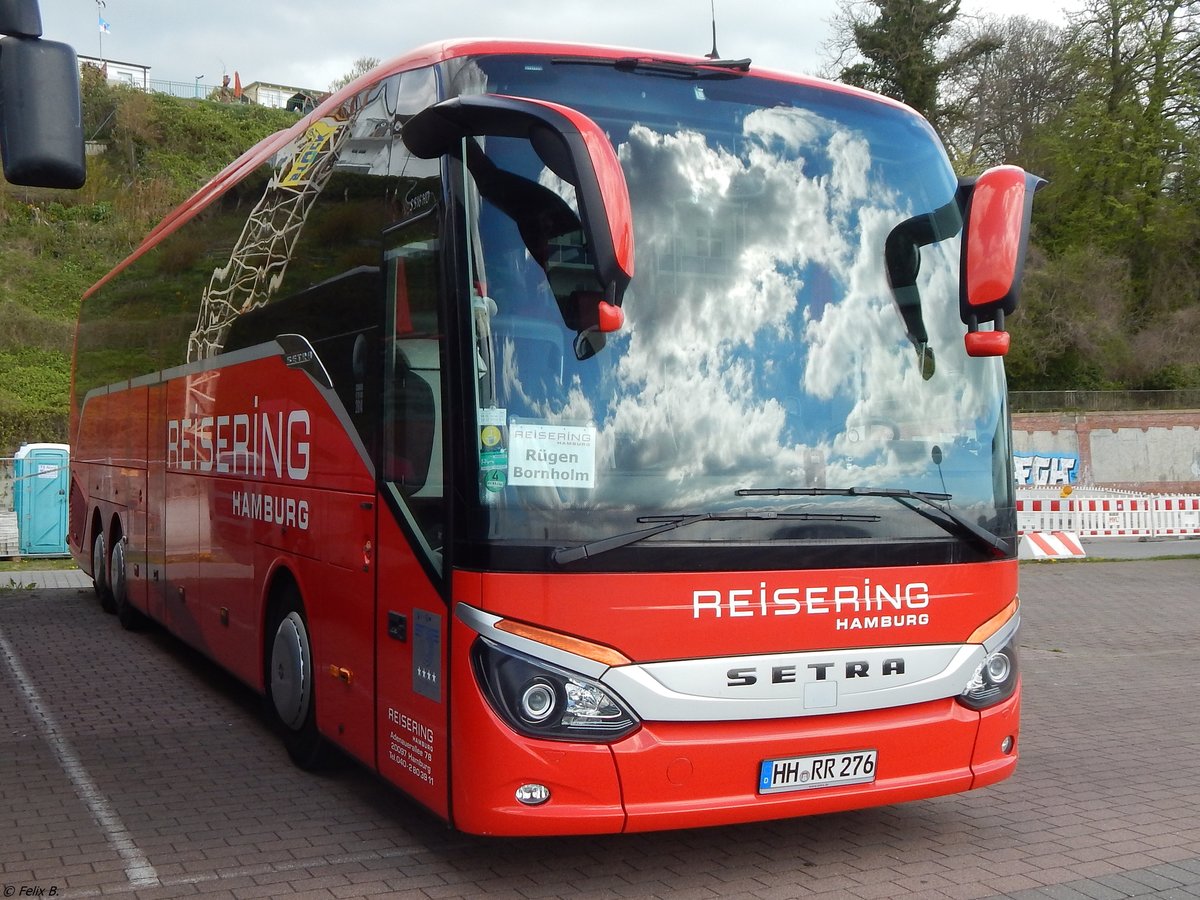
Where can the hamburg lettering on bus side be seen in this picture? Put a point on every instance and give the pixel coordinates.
(272, 509)
(854, 606)
(253, 443)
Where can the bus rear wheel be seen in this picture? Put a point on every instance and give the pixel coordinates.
(290, 683)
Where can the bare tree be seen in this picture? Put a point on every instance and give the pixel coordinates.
(362, 66)
(1007, 96)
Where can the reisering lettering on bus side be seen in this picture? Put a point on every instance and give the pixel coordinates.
(243, 443)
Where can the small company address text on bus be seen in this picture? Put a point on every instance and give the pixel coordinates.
(411, 746)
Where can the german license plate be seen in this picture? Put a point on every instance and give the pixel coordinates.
(802, 773)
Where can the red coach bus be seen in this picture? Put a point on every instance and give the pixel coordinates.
(386, 421)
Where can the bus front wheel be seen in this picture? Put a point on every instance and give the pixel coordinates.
(290, 683)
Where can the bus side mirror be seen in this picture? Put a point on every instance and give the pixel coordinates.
(999, 205)
(41, 119)
(21, 18)
(569, 143)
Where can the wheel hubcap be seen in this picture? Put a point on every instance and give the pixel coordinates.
(291, 671)
(116, 574)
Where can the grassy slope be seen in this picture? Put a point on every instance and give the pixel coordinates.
(56, 244)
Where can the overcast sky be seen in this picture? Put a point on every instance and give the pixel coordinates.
(309, 44)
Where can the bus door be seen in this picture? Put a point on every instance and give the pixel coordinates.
(412, 620)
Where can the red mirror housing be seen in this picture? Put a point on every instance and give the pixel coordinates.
(999, 205)
(611, 318)
(589, 311)
(987, 343)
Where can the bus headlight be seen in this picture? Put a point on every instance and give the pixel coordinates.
(541, 700)
(994, 679)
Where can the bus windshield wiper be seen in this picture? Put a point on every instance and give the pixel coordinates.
(563, 555)
(709, 68)
(946, 518)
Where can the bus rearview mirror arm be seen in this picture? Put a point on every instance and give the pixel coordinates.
(569, 143)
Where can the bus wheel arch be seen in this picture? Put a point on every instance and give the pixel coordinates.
(289, 674)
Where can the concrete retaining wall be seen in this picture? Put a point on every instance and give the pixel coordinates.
(1141, 451)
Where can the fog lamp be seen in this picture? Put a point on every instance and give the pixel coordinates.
(533, 794)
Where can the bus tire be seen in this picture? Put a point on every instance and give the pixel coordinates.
(128, 615)
(100, 572)
(291, 682)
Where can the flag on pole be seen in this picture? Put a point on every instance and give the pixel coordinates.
(104, 26)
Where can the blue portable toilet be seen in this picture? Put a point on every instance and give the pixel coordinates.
(41, 478)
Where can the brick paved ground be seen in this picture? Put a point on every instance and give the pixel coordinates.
(129, 765)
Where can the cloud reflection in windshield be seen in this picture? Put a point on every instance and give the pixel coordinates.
(776, 248)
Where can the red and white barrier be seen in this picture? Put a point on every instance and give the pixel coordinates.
(1146, 516)
(1050, 545)
(1182, 515)
(1122, 517)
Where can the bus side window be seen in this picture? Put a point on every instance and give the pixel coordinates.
(412, 417)
(411, 454)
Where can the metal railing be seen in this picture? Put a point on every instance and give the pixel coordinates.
(200, 91)
(193, 89)
(1102, 401)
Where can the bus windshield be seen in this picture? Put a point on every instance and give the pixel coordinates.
(791, 361)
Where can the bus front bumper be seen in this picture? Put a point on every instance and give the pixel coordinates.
(682, 775)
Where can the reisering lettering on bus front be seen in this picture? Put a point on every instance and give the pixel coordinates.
(854, 605)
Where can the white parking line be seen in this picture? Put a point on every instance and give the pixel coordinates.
(138, 869)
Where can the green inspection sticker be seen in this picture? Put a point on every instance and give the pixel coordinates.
(493, 459)
(493, 468)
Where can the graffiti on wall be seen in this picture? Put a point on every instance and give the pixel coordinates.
(1046, 469)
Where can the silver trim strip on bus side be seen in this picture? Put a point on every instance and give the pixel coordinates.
(237, 357)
